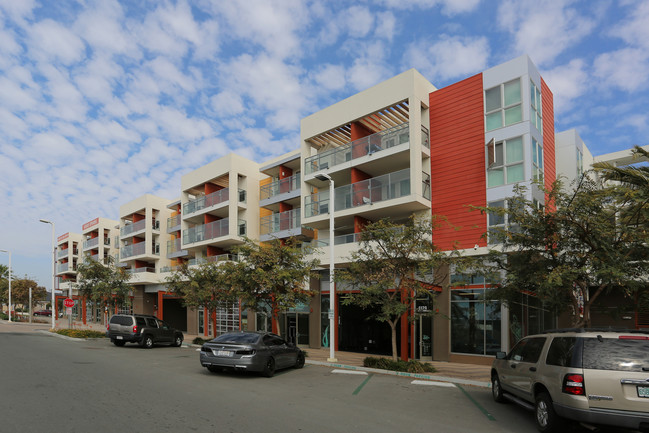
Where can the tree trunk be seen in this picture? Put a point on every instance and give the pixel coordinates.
(393, 326)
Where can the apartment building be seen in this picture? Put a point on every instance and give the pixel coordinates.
(68, 255)
(397, 149)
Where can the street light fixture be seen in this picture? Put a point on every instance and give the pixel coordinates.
(332, 291)
(53, 271)
(9, 252)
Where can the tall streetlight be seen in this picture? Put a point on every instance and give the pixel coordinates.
(332, 291)
(9, 252)
(53, 272)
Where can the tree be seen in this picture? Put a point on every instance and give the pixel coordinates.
(272, 276)
(567, 254)
(4, 284)
(104, 284)
(20, 291)
(386, 272)
(207, 285)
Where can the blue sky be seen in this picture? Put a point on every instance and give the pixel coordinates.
(103, 101)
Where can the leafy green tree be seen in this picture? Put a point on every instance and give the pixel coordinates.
(205, 286)
(20, 291)
(272, 276)
(104, 284)
(570, 253)
(394, 265)
(4, 284)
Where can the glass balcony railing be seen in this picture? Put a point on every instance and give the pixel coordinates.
(208, 200)
(173, 222)
(140, 270)
(62, 267)
(338, 240)
(280, 221)
(62, 253)
(204, 232)
(281, 186)
(173, 246)
(132, 228)
(132, 250)
(214, 259)
(374, 190)
(363, 146)
(90, 243)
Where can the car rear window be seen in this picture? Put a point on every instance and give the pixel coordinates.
(616, 354)
(121, 320)
(237, 338)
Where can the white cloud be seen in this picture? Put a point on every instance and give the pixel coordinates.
(331, 77)
(227, 103)
(626, 69)
(449, 7)
(385, 25)
(52, 40)
(544, 29)
(448, 57)
(568, 83)
(358, 21)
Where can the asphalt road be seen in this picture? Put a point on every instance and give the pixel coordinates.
(57, 385)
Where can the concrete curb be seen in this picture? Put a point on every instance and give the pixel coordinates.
(454, 380)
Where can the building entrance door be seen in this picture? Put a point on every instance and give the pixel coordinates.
(425, 338)
(297, 328)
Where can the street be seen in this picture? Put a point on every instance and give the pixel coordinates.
(54, 384)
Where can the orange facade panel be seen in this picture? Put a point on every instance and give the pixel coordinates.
(458, 176)
(547, 101)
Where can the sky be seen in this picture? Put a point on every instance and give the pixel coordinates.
(104, 101)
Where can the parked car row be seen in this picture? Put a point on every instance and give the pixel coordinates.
(593, 377)
(260, 352)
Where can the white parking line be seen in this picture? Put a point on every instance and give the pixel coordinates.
(364, 373)
(433, 383)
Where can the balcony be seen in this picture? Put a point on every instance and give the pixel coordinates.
(214, 259)
(366, 192)
(132, 250)
(62, 253)
(280, 187)
(90, 243)
(283, 225)
(132, 228)
(206, 201)
(62, 267)
(173, 224)
(363, 146)
(174, 249)
(140, 270)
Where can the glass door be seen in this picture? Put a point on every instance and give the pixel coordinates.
(425, 329)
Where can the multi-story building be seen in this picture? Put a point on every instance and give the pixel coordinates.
(68, 255)
(398, 149)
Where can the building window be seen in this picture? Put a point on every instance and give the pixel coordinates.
(535, 113)
(580, 163)
(495, 221)
(537, 161)
(475, 322)
(506, 162)
(503, 105)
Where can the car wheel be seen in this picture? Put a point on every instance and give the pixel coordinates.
(214, 369)
(269, 368)
(496, 389)
(547, 420)
(119, 343)
(178, 341)
(147, 342)
(299, 362)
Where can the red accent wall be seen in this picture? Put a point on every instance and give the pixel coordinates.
(360, 223)
(214, 251)
(210, 188)
(285, 172)
(137, 217)
(458, 167)
(549, 161)
(358, 130)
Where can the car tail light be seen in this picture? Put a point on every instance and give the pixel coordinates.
(246, 352)
(574, 384)
(135, 329)
(633, 337)
(108, 327)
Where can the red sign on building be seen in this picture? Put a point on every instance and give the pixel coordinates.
(90, 223)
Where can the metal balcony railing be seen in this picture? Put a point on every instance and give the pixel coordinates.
(132, 228)
(281, 186)
(90, 243)
(173, 221)
(132, 250)
(374, 190)
(62, 253)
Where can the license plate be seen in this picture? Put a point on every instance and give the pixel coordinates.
(119, 337)
(224, 353)
(643, 391)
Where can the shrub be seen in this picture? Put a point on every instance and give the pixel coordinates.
(80, 333)
(412, 366)
(200, 340)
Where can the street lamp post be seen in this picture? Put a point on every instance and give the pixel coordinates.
(332, 290)
(9, 252)
(53, 271)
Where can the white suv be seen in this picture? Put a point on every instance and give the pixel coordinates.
(595, 377)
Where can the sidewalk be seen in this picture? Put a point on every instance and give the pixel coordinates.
(466, 374)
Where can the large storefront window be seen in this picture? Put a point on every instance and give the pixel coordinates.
(528, 317)
(475, 323)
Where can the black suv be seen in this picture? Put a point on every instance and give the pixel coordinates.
(142, 329)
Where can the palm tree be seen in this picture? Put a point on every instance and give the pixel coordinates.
(636, 177)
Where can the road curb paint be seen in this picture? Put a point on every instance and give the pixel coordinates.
(478, 405)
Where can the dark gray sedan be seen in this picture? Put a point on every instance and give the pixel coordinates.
(261, 352)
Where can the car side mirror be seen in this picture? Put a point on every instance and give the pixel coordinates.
(501, 355)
